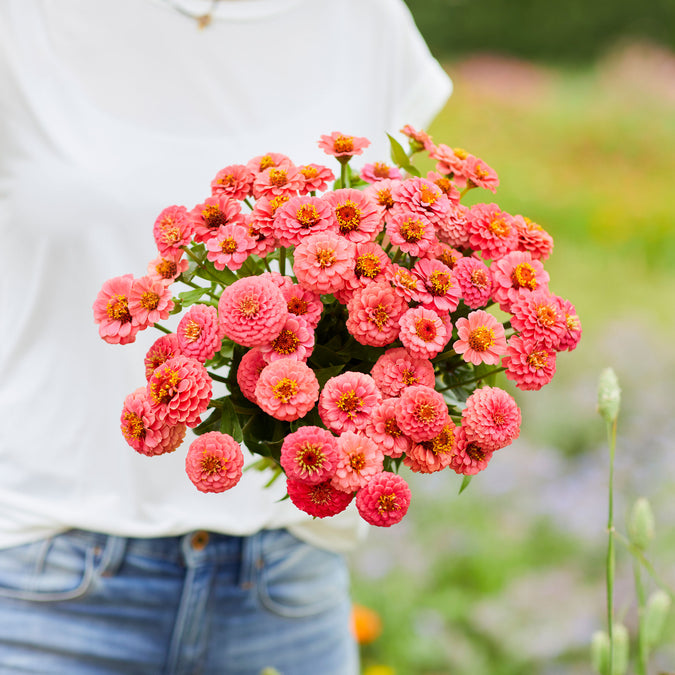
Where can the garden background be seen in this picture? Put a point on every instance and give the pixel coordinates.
(573, 104)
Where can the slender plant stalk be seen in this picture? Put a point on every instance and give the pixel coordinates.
(642, 603)
(200, 262)
(472, 380)
(159, 326)
(344, 175)
(282, 261)
(611, 556)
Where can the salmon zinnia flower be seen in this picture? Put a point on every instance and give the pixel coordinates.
(112, 311)
(347, 400)
(309, 454)
(384, 500)
(482, 338)
(343, 146)
(214, 462)
(287, 389)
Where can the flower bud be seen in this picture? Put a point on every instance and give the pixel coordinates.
(656, 612)
(600, 652)
(609, 395)
(620, 646)
(641, 524)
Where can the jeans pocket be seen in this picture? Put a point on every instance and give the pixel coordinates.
(296, 579)
(61, 567)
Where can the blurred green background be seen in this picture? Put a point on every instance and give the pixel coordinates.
(573, 104)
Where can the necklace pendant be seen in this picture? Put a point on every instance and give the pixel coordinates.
(203, 21)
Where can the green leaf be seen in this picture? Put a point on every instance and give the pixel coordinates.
(465, 484)
(324, 374)
(190, 297)
(398, 155)
(229, 420)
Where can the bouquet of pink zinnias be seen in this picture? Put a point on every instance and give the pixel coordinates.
(346, 327)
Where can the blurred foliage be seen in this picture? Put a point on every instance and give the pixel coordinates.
(571, 31)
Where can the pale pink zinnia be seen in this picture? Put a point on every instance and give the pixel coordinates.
(233, 181)
(539, 317)
(396, 369)
(320, 500)
(530, 365)
(150, 301)
(446, 186)
(309, 454)
(374, 313)
(412, 233)
(533, 238)
(421, 412)
(469, 457)
(515, 275)
(423, 198)
(491, 231)
(482, 339)
(261, 219)
(440, 288)
(358, 459)
(408, 285)
(354, 215)
(252, 311)
(251, 365)
(260, 163)
(214, 213)
(449, 161)
(382, 195)
(287, 389)
(491, 418)
(230, 247)
(304, 304)
(214, 462)
(278, 180)
(112, 312)
(162, 349)
(300, 217)
(478, 173)
(324, 262)
(199, 333)
(454, 228)
(572, 334)
(167, 268)
(347, 400)
(140, 425)
(316, 178)
(180, 390)
(370, 264)
(295, 340)
(343, 146)
(172, 230)
(383, 429)
(475, 281)
(372, 173)
(432, 455)
(384, 500)
(423, 333)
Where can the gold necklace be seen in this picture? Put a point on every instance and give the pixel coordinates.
(203, 20)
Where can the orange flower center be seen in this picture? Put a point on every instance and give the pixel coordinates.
(481, 338)
(348, 402)
(523, 276)
(384, 198)
(133, 428)
(192, 331)
(166, 269)
(228, 245)
(379, 316)
(427, 195)
(285, 389)
(408, 377)
(213, 216)
(348, 216)
(387, 503)
(266, 162)
(357, 462)
(460, 153)
(163, 389)
(228, 180)
(425, 329)
(546, 315)
(211, 465)
(325, 257)
(537, 360)
(406, 280)
(474, 452)
(249, 306)
(278, 177)
(448, 258)
(309, 172)
(425, 412)
(412, 230)
(499, 227)
(381, 170)
(118, 309)
(444, 184)
(286, 342)
(277, 202)
(149, 300)
(444, 441)
(368, 265)
(480, 172)
(343, 144)
(307, 215)
(479, 279)
(297, 306)
(391, 427)
(170, 231)
(440, 282)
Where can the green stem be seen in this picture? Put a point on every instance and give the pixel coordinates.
(218, 378)
(207, 291)
(472, 380)
(639, 555)
(642, 602)
(611, 558)
(397, 256)
(344, 175)
(159, 326)
(282, 260)
(200, 262)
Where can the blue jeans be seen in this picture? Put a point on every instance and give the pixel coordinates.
(83, 602)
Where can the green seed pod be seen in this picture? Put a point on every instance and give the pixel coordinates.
(655, 616)
(641, 524)
(620, 648)
(600, 652)
(609, 395)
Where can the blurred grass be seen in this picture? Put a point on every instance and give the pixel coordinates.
(508, 578)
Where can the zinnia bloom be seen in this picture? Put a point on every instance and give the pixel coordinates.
(287, 389)
(454, 228)
(214, 213)
(432, 455)
(324, 262)
(469, 457)
(383, 429)
(354, 215)
(482, 338)
(440, 288)
(199, 333)
(419, 138)
(300, 217)
(278, 180)
(316, 178)
(112, 312)
(572, 334)
(530, 365)
(342, 146)
(450, 161)
(295, 340)
(304, 304)
(407, 284)
(230, 247)
(179, 391)
(309, 454)
(214, 462)
(515, 275)
(396, 369)
(414, 234)
(423, 198)
(359, 459)
(539, 317)
(141, 428)
(167, 268)
(162, 349)
(251, 365)
(233, 181)
(172, 230)
(319, 500)
(252, 311)
(384, 500)
(533, 238)
(421, 412)
(491, 418)
(475, 281)
(260, 163)
(422, 332)
(491, 231)
(478, 173)
(347, 400)
(150, 301)
(372, 173)
(374, 313)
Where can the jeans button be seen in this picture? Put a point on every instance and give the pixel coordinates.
(199, 540)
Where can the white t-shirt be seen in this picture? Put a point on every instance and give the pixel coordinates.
(109, 112)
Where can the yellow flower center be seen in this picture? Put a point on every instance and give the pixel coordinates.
(425, 412)
(479, 279)
(384, 198)
(348, 402)
(266, 162)
(163, 389)
(249, 306)
(307, 215)
(325, 257)
(499, 227)
(387, 503)
(381, 170)
(357, 462)
(537, 360)
(213, 216)
(408, 377)
(286, 342)
(391, 427)
(546, 315)
(285, 389)
(309, 172)
(277, 202)
(149, 300)
(379, 316)
(427, 195)
(474, 452)
(192, 331)
(412, 230)
(133, 428)
(166, 269)
(343, 144)
(460, 153)
(228, 245)
(368, 265)
(524, 276)
(118, 309)
(348, 216)
(211, 465)
(440, 282)
(481, 338)
(278, 177)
